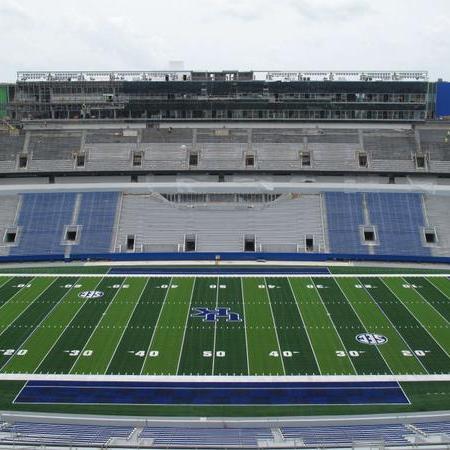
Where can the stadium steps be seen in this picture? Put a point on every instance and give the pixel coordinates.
(437, 208)
(8, 210)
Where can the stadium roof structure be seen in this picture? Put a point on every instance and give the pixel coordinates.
(227, 75)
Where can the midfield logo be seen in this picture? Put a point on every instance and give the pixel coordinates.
(213, 315)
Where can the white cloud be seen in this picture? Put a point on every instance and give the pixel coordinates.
(223, 34)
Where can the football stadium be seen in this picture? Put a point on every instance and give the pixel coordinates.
(230, 259)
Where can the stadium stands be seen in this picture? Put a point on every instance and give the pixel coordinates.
(332, 222)
(54, 145)
(322, 436)
(399, 222)
(436, 209)
(97, 217)
(277, 226)
(346, 436)
(62, 434)
(167, 149)
(41, 222)
(203, 437)
(345, 217)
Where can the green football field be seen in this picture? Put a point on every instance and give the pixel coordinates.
(230, 325)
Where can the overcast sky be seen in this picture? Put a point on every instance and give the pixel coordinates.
(225, 34)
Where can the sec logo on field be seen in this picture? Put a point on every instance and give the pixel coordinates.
(371, 339)
(90, 294)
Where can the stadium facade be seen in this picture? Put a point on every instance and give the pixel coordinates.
(267, 195)
(223, 96)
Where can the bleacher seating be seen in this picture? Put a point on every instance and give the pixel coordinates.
(390, 145)
(110, 136)
(277, 149)
(346, 435)
(155, 221)
(230, 135)
(62, 434)
(166, 135)
(433, 428)
(54, 145)
(345, 217)
(281, 223)
(204, 437)
(42, 218)
(315, 436)
(97, 216)
(399, 222)
(10, 146)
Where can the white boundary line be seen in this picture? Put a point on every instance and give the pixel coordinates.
(224, 378)
(231, 275)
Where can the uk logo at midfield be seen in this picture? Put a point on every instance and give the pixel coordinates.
(371, 339)
(91, 294)
(213, 315)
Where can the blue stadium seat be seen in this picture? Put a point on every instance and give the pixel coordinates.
(398, 219)
(42, 219)
(97, 218)
(345, 217)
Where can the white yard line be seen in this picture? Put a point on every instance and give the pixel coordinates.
(185, 326)
(334, 325)
(421, 324)
(16, 293)
(245, 326)
(427, 302)
(126, 326)
(29, 304)
(392, 326)
(362, 323)
(63, 331)
(97, 325)
(274, 325)
(157, 323)
(215, 327)
(304, 326)
(7, 279)
(39, 326)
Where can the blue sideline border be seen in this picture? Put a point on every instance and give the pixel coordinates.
(212, 393)
(226, 256)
